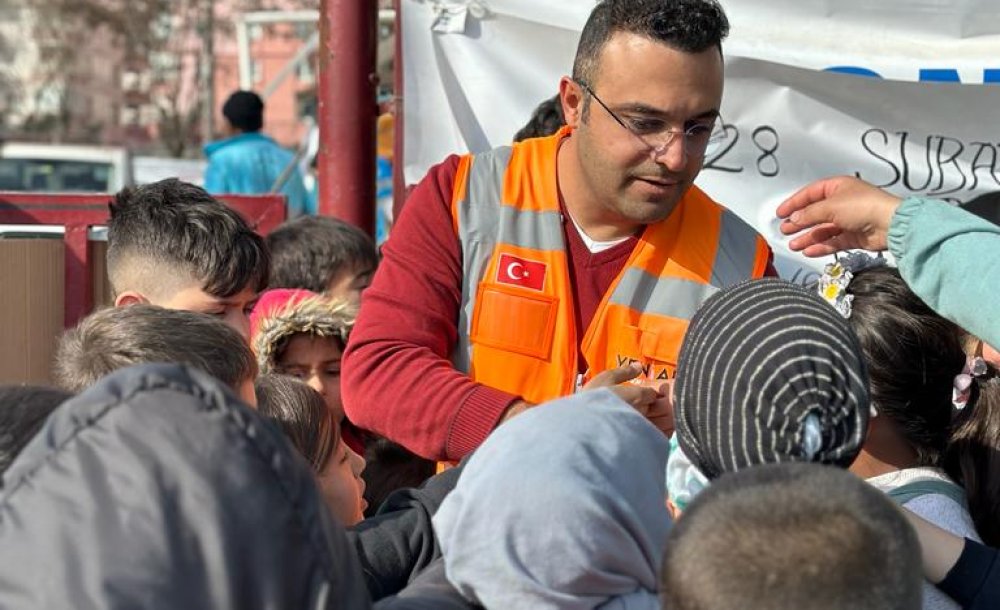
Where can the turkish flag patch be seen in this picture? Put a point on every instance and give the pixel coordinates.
(521, 272)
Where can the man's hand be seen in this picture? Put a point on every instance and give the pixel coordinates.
(653, 402)
(838, 214)
(661, 414)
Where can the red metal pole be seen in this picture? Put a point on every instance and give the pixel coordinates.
(79, 295)
(347, 110)
(398, 179)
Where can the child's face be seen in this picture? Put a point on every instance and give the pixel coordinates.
(349, 283)
(234, 310)
(316, 361)
(341, 484)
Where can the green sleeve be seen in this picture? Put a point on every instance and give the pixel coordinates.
(951, 259)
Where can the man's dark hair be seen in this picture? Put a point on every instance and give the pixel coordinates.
(545, 120)
(115, 338)
(691, 26)
(23, 410)
(179, 225)
(309, 251)
(791, 536)
(244, 110)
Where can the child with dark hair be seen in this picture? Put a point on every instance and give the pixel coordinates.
(303, 334)
(322, 254)
(172, 244)
(768, 373)
(972, 455)
(23, 410)
(913, 356)
(303, 416)
(545, 120)
(157, 488)
(791, 536)
(119, 337)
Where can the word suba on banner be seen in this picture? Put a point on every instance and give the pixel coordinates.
(934, 165)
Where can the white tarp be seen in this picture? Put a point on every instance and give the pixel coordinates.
(475, 69)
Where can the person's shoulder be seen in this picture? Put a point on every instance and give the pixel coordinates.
(945, 513)
(446, 168)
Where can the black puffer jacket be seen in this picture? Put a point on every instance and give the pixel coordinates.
(157, 488)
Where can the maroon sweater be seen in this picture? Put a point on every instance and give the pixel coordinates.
(397, 377)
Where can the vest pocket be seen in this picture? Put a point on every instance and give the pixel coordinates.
(510, 320)
(653, 350)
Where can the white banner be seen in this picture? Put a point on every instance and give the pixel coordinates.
(475, 69)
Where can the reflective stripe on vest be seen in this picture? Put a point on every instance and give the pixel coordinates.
(517, 333)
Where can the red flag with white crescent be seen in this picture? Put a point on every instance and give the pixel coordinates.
(521, 272)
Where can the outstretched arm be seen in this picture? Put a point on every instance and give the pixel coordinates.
(946, 255)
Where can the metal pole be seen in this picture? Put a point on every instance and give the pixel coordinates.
(398, 180)
(243, 52)
(347, 111)
(207, 79)
(303, 54)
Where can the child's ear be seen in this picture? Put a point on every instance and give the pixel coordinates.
(675, 513)
(130, 298)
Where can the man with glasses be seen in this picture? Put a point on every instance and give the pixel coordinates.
(574, 261)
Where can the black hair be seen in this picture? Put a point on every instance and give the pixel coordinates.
(118, 337)
(180, 224)
(691, 26)
(309, 251)
(23, 410)
(545, 120)
(244, 110)
(913, 355)
(985, 206)
(390, 467)
(790, 536)
(972, 457)
(301, 413)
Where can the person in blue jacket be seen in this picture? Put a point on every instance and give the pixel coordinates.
(249, 162)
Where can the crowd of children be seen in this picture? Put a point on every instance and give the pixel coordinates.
(804, 419)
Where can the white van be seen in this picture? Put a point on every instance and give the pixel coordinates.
(63, 168)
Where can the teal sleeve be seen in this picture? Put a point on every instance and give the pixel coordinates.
(951, 259)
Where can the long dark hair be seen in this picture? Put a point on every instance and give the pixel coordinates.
(972, 457)
(913, 356)
(302, 415)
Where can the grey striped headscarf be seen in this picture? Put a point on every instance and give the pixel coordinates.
(769, 372)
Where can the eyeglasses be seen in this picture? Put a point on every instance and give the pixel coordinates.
(699, 140)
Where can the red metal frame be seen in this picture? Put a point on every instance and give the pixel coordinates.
(80, 212)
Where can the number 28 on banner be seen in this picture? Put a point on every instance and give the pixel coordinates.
(765, 141)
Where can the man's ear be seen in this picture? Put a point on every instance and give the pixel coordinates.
(130, 298)
(571, 98)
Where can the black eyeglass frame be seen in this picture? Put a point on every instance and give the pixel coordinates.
(716, 134)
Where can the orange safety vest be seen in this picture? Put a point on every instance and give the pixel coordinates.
(516, 328)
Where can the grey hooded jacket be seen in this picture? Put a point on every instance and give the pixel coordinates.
(157, 488)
